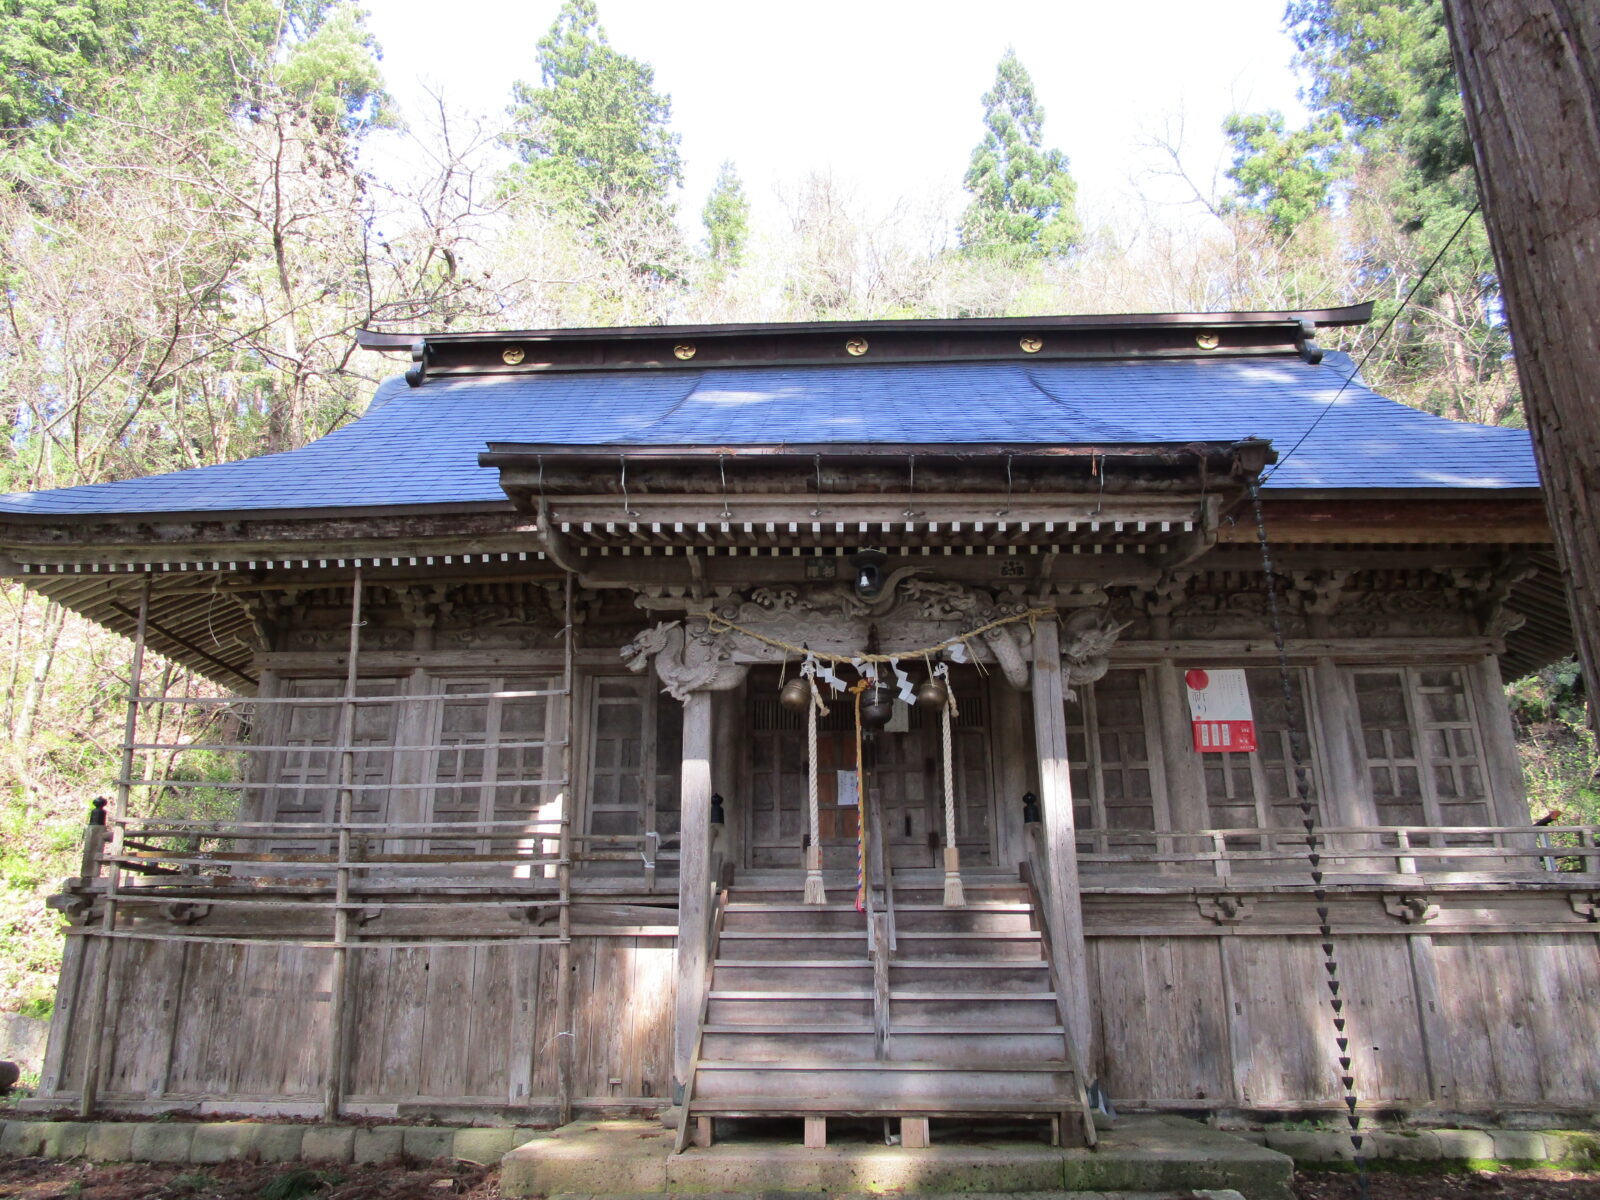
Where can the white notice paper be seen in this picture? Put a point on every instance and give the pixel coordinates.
(845, 789)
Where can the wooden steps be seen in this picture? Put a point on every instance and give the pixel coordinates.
(803, 1018)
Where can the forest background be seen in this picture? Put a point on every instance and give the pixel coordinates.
(189, 238)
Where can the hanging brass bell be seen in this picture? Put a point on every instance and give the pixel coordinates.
(877, 707)
(933, 693)
(796, 694)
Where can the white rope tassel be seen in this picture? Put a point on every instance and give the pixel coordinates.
(953, 895)
(814, 893)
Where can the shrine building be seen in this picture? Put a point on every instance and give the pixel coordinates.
(948, 719)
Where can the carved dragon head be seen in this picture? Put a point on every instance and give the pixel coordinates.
(636, 655)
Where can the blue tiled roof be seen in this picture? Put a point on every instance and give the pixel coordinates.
(420, 445)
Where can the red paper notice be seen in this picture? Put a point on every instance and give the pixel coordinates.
(1219, 708)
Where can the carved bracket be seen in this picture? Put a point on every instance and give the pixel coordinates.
(73, 907)
(1585, 904)
(1412, 908)
(1086, 640)
(539, 914)
(1225, 909)
(184, 912)
(688, 658)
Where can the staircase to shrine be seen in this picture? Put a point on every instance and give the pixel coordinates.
(913, 1010)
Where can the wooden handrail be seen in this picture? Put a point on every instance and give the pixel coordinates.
(714, 922)
(880, 884)
(1036, 876)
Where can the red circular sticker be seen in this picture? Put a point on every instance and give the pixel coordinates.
(1197, 679)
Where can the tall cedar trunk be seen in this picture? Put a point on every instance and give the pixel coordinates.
(1530, 75)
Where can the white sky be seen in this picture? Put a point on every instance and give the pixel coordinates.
(886, 94)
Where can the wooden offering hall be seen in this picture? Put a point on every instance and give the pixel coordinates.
(935, 720)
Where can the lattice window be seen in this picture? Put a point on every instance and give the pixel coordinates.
(618, 788)
(1256, 790)
(1424, 763)
(505, 739)
(307, 773)
(1115, 785)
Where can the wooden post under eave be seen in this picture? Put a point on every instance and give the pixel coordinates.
(338, 1022)
(1067, 946)
(694, 884)
(97, 1054)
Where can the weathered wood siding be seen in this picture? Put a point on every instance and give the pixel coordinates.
(1451, 1015)
(459, 1025)
(1489, 1004)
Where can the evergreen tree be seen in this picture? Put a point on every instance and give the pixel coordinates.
(1287, 175)
(1387, 133)
(1024, 201)
(593, 136)
(726, 217)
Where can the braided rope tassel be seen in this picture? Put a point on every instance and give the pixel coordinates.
(954, 897)
(814, 893)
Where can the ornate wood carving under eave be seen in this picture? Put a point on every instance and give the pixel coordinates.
(913, 614)
(74, 906)
(1413, 908)
(1087, 637)
(688, 658)
(1225, 909)
(184, 912)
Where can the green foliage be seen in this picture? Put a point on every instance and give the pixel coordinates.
(1560, 760)
(1383, 68)
(726, 217)
(1024, 201)
(1386, 158)
(1286, 175)
(333, 73)
(594, 135)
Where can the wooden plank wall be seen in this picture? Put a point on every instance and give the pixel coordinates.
(450, 1024)
(1187, 1014)
(1456, 1021)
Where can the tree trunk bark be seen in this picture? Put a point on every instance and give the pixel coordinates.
(1530, 76)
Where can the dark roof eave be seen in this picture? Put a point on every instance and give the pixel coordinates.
(217, 515)
(518, 454)
(1350, 314)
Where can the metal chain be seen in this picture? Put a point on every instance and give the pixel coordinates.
(1308, 817)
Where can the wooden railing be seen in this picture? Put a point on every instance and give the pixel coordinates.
(1036, 875)
(1554, 851)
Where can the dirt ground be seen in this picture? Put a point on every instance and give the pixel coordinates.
(47, 1179)
(1471, 1185)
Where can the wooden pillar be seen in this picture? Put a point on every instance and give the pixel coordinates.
(1067, 947)
(338, 1031)
(694, 883)
(1010, 752)
(1186, 784)
(1333, 724)
(1508, 803)
(97, 1052)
